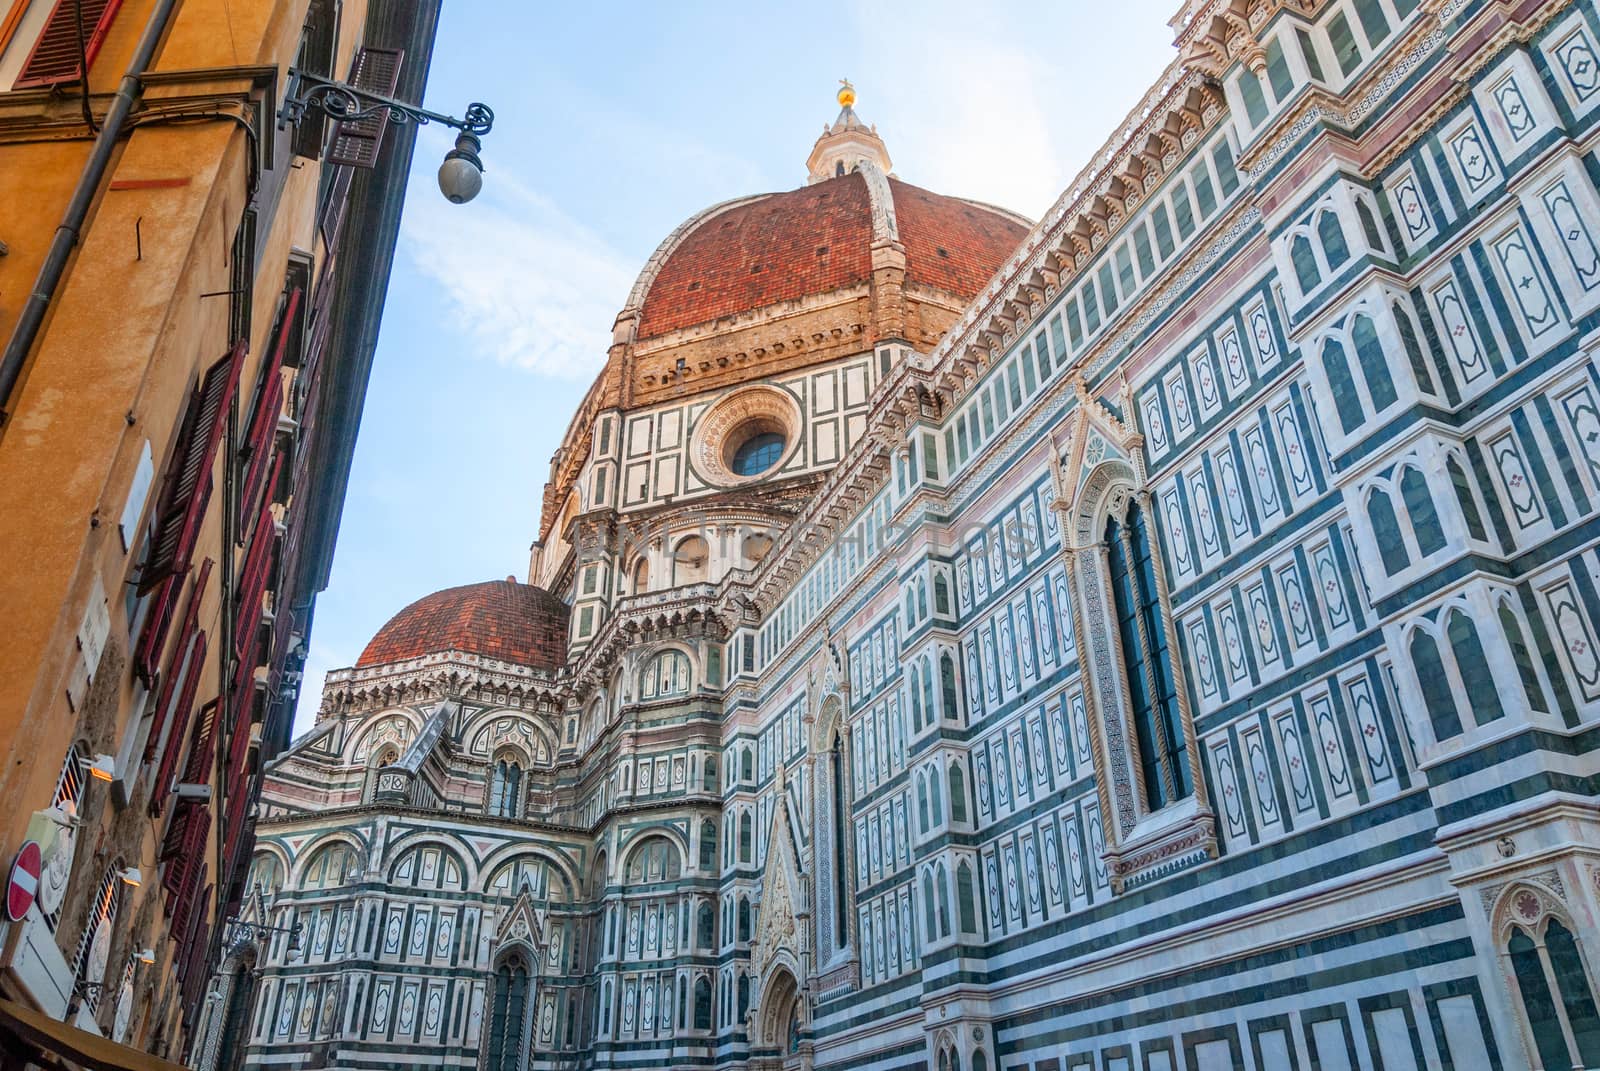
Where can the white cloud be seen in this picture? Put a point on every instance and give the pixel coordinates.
(526, 284)
(992, 115)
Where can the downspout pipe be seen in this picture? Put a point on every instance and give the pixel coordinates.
(31, 319)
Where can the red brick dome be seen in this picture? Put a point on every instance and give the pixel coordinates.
(814, 240)
(497, 619)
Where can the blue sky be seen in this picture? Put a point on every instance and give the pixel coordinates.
(613, 123)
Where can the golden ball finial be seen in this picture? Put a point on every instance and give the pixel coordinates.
(847, 93)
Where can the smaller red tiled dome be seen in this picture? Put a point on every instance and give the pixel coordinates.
(497, 619)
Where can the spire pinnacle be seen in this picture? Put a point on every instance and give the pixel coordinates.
(847, 143)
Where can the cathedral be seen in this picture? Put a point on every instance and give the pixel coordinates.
(1159, 637)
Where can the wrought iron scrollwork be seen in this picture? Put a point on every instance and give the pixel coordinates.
(344, 102)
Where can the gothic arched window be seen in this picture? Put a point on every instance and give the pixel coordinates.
(505, 786)
(1374, 364)
(708, 845)
(1436, 694)
(1413, 347)
(705, 927)
(1147, 661)
(702, 1003)
(947, 687)
(1306, 271)
(1386, 531)
(841, 886)
(1419, 507)
(1483, 691)
(958, 793)
(966, 898)
(1334, 246)
(508, 1015)
(744, 919)
(665, 675)
(1342, 385)
(1553, 987)
(916, 698)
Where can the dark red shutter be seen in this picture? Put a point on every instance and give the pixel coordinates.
(197, 770)
(55, 57)
(356, 142)
(147, 655)
(268, 407)
(176, 674)
(253, 581)
(187, 487)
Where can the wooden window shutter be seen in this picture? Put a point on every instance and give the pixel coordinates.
(356, 142)
(201, 750)
(187, 487)
(268, 407)
(178, 675)
(253, 582)
(55, 57)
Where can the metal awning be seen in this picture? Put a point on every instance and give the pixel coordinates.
(25, 1029)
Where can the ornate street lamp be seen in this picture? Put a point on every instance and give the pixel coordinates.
(461, 173)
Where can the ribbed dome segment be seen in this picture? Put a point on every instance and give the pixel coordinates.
(952, 245)
(497, 619)
(818, 239)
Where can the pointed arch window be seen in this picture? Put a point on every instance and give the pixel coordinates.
(1345, 399)
(1413, 347)
(1436, 694)
(702, 1003)
(508, 1015)
(947, 687)
(916, 698)
(1331, 234)
(1523, 657)
(841, 884)
(1147, 661)
(708, 845)
(958, 793)
(1555, 993)
(966, 898)
(505, 786)
(1483, 692)
(667, 674)
(1420, 509)
(1374, 363)
(1304, 259)
(1386, 531)
(1466, 500)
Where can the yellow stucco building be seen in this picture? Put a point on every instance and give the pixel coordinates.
(189, 298)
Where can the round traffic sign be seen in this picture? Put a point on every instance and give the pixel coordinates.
(24, 883)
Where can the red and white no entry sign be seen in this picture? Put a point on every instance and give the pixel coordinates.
(24, 883)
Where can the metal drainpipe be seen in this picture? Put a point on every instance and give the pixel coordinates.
(31, 319)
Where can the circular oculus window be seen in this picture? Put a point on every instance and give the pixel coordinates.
(745, 436)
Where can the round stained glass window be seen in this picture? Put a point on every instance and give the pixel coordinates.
(758, 453)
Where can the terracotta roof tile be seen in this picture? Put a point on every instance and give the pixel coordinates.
(784, 246)
(952, 245)
(498, 619)
(818, 239)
